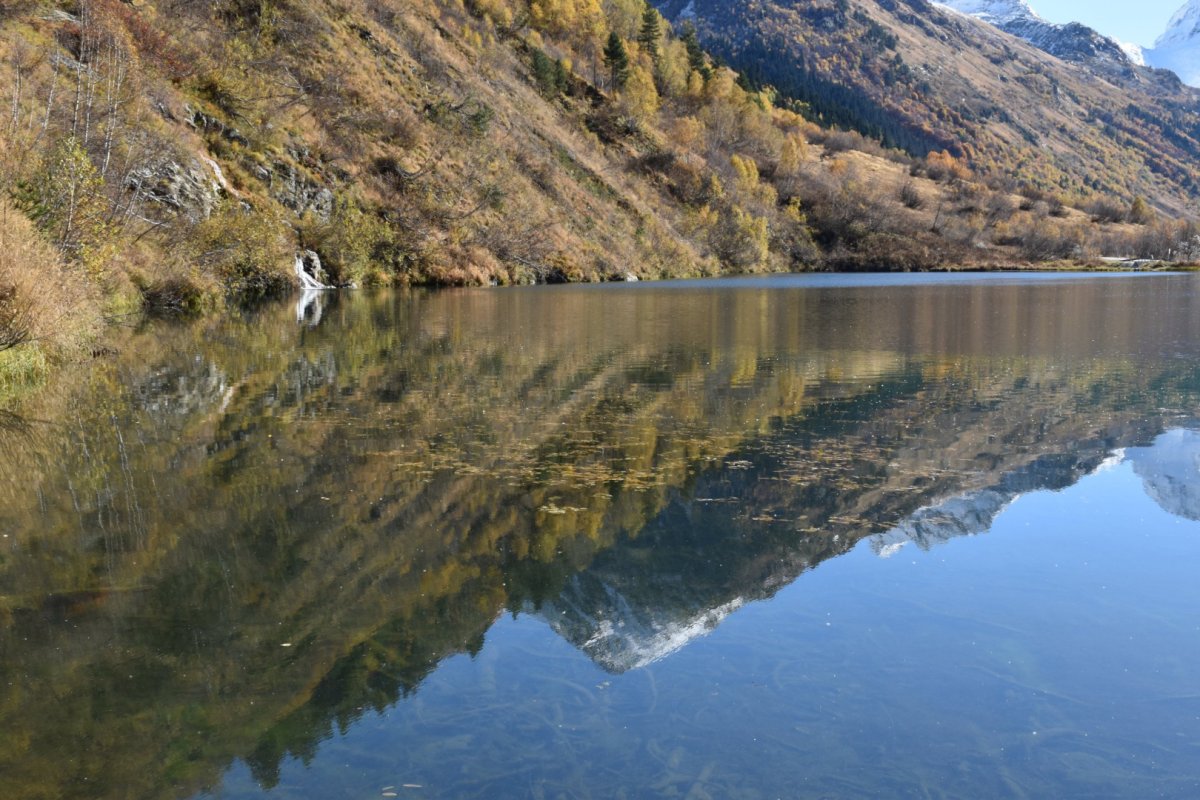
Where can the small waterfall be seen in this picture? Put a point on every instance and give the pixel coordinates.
(309, 272)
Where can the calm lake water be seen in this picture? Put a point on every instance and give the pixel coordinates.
(913, 537)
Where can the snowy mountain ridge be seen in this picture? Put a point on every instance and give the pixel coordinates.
(1070, 42)
(1178, 49)
(1184, 27)
(997, 12)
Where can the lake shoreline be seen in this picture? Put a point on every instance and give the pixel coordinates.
(27, 367)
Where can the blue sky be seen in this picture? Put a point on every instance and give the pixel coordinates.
(1139, 22)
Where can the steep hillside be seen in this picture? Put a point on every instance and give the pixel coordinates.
(926, 78)
(181, 154)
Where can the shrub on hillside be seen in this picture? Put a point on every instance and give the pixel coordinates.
(1046, 241)
(890, 252)
(350, 243)
(245, 252)
(740, 239)
(43, 301)
(1105, 211)
(910, 196)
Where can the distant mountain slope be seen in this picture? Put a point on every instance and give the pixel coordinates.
(926, 78)
(1070, 42)
(1177, 50)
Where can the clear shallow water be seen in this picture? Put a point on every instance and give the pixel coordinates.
(740, 540)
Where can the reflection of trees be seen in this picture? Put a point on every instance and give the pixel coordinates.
(477, 451)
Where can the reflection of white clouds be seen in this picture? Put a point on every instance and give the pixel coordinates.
(1170, 471)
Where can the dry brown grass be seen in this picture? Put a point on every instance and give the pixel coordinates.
(43, 303)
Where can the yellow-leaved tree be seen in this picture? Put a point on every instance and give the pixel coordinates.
(639, 98)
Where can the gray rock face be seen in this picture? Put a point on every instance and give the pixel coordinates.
(1070, 42)
(192, 189)
(298, 193)
(206, 122)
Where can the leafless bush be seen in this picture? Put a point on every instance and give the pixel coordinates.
(1105, 211)
(999, 208)
(1047, 241)
(910, 196)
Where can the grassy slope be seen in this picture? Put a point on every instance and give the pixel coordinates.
(418, 143)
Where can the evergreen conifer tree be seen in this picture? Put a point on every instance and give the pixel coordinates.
(651, 32)
(695, 53)
(616, 58)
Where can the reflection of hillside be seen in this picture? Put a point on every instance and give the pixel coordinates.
(374, 491)
(756, 528)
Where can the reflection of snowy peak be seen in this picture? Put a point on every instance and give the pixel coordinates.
(965, 515)
(620, 636)
(695, 564)
(974, 512)
(1170, 471)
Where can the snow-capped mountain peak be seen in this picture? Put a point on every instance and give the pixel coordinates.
(997, 12)
(1178, 49)
(1070, 42)
(1135, 52)
(1184, 27)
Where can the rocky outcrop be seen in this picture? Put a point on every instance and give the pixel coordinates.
(297, 192)
(192, 189)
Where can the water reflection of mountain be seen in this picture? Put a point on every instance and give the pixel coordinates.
(700, 560)
(374, 491)
(974, 512)
(1170, 471)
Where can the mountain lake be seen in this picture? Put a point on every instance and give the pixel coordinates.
(824, 536)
